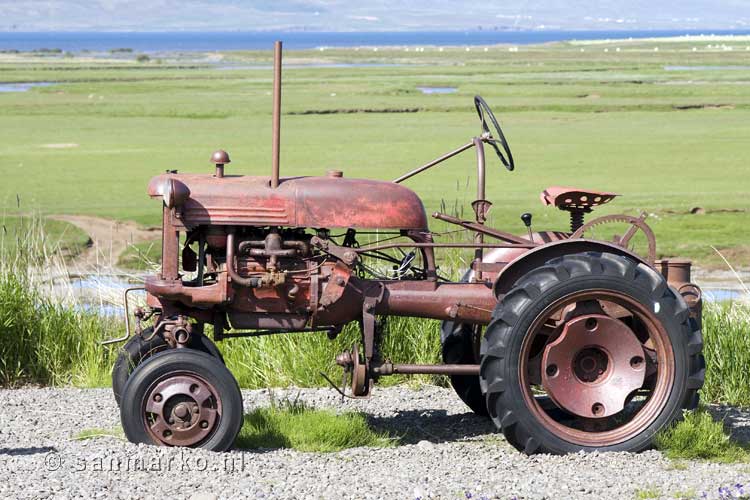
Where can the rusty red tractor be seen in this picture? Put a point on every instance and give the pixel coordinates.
(566, 342)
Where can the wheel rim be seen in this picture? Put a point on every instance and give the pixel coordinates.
(181, 410)
(596, 368)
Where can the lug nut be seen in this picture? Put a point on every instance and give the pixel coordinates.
(344, 359)
(597, 409)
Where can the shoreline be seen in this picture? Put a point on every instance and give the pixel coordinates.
(81, 42)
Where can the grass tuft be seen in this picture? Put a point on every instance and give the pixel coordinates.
(647, 493)
(293, 424)
(700, 437)
(85, 434)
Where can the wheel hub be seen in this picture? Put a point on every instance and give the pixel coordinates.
(593, 366)
(182, 410)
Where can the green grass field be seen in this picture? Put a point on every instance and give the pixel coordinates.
(667, 140)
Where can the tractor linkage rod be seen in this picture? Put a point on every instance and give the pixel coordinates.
(434, 162)
(393, 369)
(386, 246)
(481, 228)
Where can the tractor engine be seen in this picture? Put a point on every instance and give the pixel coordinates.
(274, 271)
(255, 278)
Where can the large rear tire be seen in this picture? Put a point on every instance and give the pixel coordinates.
(566, 336)
(182, 397)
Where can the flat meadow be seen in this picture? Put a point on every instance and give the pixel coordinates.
(663, 123)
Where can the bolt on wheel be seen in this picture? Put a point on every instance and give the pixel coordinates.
(182, 397)
(594, 367)
(181, 410)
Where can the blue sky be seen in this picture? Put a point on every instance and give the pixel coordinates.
(385, 15)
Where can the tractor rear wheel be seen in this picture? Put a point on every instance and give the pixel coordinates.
(143, 346)
(591, 351)
(459, 342)
(182, 397)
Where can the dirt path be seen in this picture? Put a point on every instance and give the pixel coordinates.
(109, 239)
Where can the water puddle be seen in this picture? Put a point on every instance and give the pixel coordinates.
(100, 293)
(22, 87)
(438, 90)
(234, 67)
(725, 295)
(706, 68)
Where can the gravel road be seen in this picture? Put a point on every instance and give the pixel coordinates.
(449, 453)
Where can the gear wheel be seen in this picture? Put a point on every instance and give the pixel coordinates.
(636, 224)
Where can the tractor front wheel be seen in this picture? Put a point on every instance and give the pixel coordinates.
(182, 397)
(592, 351)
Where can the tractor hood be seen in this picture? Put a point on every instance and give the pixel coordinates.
(317, 202)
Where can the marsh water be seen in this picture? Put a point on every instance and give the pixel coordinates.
(186, 41)
(22, 87)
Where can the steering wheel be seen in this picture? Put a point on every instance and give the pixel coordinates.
(497, 140)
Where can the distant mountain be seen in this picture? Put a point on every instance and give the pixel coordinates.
(385, 15)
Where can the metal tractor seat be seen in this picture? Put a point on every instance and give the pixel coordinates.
(576, 201)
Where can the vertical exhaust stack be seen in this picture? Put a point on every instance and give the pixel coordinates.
(276, 113)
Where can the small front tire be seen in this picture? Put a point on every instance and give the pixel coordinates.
(182, 397)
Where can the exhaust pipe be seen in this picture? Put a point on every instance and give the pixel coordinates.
(276, 113)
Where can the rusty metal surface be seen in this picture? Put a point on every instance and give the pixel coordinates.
(636, 224)
(438, 300)
(181, 410)
(565, 198)
(434, 162)
(276, 126)
(220, 158)
(297, 202)
(410, 369)
(678, 275)
(481, 228)
(577, 202)
(655, 348)
(593, 366)
(538, 256)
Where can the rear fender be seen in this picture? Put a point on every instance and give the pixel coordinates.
(539, 256)
(505, 256)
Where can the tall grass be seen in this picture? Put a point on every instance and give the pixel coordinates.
(45, 337)
(299, 358)
(726, 346)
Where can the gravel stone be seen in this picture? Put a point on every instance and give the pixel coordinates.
(448, 452)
